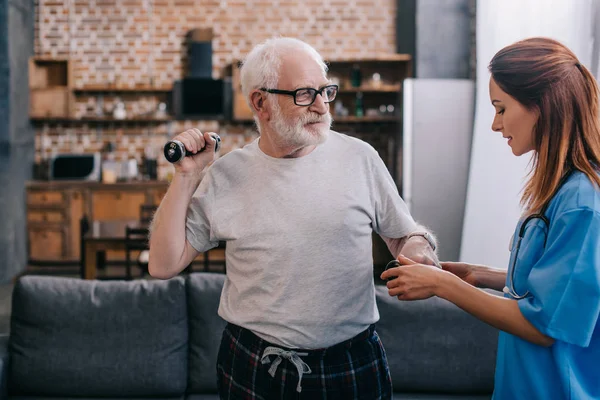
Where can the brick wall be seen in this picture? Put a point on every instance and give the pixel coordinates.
(142, 42)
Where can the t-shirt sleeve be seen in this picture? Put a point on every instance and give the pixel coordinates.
(198, 225)
(391, 216)
(565, 282)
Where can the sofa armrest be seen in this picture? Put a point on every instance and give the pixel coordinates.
(3, 367)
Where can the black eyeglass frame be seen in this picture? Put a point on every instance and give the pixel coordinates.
(313, 90)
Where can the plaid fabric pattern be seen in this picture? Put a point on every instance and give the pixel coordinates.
(355, 369)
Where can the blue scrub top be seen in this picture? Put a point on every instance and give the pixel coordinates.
(563, 279)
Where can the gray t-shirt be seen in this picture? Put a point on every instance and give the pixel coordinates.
(298, 232)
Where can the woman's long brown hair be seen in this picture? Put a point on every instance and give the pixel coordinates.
(544, 75)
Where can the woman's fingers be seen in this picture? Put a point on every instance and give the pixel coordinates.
(405, 260)
(449, 264)
(397, 291)
(392, 283)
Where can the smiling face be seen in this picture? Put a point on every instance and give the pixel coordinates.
(513, 120)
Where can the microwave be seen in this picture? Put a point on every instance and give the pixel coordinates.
(84, 167)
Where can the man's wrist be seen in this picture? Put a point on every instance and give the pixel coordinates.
(424, 236)
(419, 239)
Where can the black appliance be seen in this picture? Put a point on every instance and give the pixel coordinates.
(202, 98)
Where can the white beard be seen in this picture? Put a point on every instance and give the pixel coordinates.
(294, 134)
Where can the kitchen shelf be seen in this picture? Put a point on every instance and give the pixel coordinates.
(346, 120)
(133, 119)
(352, 119)
(100, 120)
(117, 89)
(375, 59)
(387, 89)
(107, 120)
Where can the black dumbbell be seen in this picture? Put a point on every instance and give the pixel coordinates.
(175, 150)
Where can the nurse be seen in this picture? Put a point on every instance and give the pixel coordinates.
(546, 102)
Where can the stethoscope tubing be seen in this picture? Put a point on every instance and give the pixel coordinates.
(510, 287)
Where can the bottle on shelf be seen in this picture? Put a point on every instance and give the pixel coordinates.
(358, 105)
(119, 110)
(356, 76)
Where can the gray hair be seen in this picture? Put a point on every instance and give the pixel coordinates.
(261, 68)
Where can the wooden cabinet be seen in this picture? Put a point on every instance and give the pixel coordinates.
(51, 216)
(46, 198)
(50, 88)
(369, 103)
(116, 204)
(47, 242)
(47, 220)
(55, 209)
(76, 212)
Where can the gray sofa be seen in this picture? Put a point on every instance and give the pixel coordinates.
(145, 339)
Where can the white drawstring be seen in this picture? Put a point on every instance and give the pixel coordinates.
(294, 358)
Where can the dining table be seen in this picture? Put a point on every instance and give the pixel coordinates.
(105, 236)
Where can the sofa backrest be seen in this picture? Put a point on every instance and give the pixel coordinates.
(161, 338)
(431, 345)
(434, 346)
(71, 337)
(206, 328)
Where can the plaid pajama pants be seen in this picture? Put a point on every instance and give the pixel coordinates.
(250, 368)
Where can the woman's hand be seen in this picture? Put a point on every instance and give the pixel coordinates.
(466, 272)
(480, 276)
(413, 281)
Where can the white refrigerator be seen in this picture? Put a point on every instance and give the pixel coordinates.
(438, 117)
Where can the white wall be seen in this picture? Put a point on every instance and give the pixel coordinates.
(496, 176)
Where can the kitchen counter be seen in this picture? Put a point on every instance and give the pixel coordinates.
(55, 209)
(59, 185)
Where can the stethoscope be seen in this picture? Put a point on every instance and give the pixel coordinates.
(510, 284)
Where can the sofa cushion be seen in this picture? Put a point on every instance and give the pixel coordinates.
(206, 328)
(76, 338)
(440, 396)
(433, 346)
(202, 397)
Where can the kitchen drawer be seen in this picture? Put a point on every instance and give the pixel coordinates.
(46, 198)
(45, 216)
(47, 243)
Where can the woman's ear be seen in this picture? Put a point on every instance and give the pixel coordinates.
(259, 104)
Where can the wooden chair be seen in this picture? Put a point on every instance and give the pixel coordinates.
(136, 241)
(146, 214)
(84, 227)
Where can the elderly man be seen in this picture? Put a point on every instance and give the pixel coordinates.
(297, 208)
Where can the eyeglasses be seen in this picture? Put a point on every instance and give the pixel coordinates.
(307, 96)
